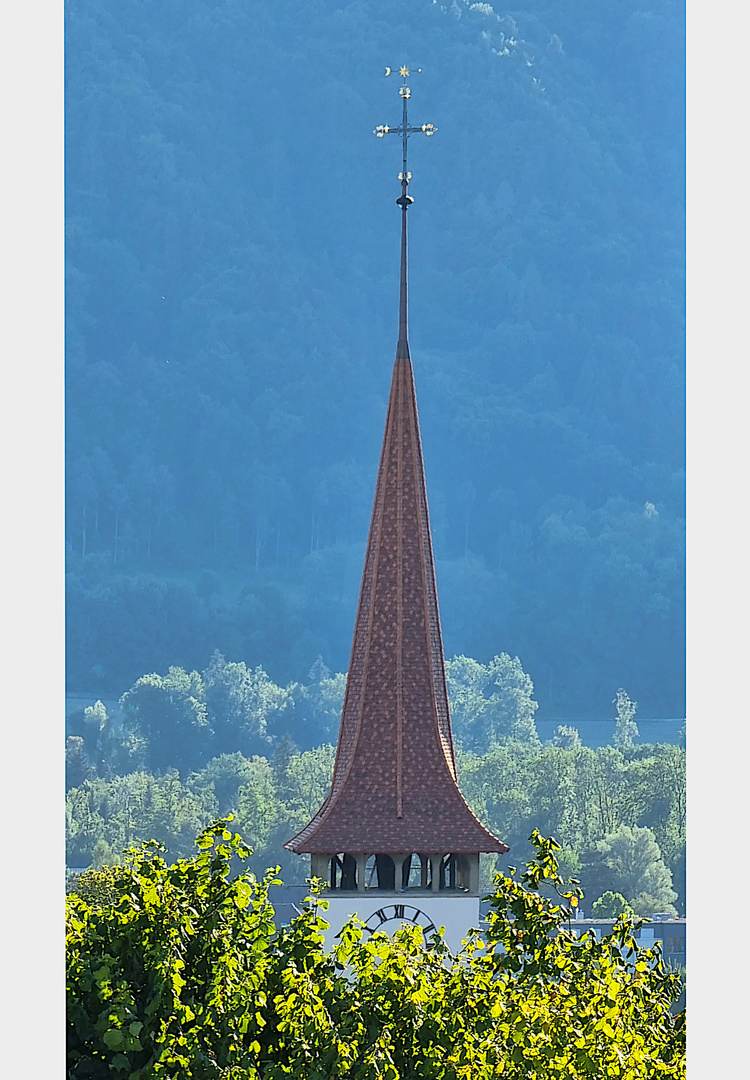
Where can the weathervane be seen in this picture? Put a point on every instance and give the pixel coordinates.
(405, 129)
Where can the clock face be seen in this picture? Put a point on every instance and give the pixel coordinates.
(390, 913)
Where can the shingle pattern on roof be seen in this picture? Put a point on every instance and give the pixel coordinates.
(394, 786)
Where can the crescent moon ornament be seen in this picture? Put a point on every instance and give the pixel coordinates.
(387, 71)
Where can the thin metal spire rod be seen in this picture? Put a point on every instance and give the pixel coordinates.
(402, 349)
(405, 129)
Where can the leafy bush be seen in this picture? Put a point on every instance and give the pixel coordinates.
(610, 906)
(185, 975)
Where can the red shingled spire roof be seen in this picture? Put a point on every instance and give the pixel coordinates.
(394, 783)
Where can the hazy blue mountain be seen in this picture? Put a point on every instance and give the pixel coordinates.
(232, 296)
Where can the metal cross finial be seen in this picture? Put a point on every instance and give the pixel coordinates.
(405, 129)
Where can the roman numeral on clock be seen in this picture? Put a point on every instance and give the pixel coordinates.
(393, 912)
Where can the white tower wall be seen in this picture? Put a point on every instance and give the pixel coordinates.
(382, 910)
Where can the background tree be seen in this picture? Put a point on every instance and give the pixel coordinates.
(84, 826)
(258, 809)
(130, 809)
(169, 713)
(629, 861)
(318, 705)
(223, 777)
(567, 737)
(491, 703)
(78, 765)
(242, 703)
(611, 905)
(308, 780)
(626, 729)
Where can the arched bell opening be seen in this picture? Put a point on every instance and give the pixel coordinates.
(416, 872)
(339, 871)
(459, 873)
(453, 873)
(380, 873)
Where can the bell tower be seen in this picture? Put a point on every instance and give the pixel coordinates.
(395, 840)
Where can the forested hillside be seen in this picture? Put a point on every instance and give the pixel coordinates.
(183, 747)
(232, 292)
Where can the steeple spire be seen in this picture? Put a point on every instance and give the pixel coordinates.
(394, 789)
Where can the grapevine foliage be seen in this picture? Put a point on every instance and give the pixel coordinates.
(179, 971)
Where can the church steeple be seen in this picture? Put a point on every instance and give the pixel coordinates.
(394, 793)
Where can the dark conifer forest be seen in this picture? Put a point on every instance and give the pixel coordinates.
(232, 261)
